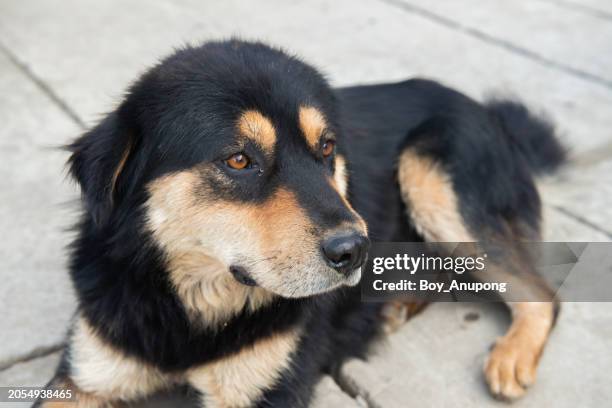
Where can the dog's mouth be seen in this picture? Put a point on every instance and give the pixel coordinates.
(242, 276)
(351, 278)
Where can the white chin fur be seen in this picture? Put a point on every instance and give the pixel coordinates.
(354, 278)
(326, 284)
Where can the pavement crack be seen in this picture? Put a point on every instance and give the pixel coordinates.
(32, 355)
(43, 86)
(500, 42)
(592, 11)
(582, 220)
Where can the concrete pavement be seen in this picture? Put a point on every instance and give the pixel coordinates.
(64, 63)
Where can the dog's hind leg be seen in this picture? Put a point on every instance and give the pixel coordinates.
(446, 203)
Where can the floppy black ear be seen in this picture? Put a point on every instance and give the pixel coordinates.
(97, 160)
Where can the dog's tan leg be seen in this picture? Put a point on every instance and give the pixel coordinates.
(511, 366)
(433, 207)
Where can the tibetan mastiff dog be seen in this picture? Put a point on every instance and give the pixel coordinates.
(228, 207)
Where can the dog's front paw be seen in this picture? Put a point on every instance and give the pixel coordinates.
(511, 367)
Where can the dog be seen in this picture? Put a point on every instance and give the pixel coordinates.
(228, 206)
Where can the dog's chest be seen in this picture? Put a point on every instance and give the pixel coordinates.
(241, 378)
(237, 379)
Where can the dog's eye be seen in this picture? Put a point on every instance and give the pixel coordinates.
(328, 147)
(238, 161)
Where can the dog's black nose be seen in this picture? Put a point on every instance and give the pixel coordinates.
(346, 253)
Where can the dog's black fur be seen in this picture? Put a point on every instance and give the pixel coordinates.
(181, 113)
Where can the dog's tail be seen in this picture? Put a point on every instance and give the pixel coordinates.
(533, 137)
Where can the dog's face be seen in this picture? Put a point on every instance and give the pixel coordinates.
(229, 154)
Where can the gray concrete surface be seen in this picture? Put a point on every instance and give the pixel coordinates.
(35, 295)
(64, 63)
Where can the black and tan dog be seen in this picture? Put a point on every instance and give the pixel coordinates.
(229, 202)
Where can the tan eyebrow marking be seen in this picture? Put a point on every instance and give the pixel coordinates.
(257, 127)
(341, 177)
(312, 123)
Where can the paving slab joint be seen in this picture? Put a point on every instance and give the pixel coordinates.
(583, 221)
(498, 42)
(38, 352)
(43, 86)
(590, 10)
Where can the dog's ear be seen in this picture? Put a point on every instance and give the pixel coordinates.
(97, 161)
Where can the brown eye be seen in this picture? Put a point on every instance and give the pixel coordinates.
(238, 161)
(328, 147)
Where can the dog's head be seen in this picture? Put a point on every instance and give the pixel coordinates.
(230, 154)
